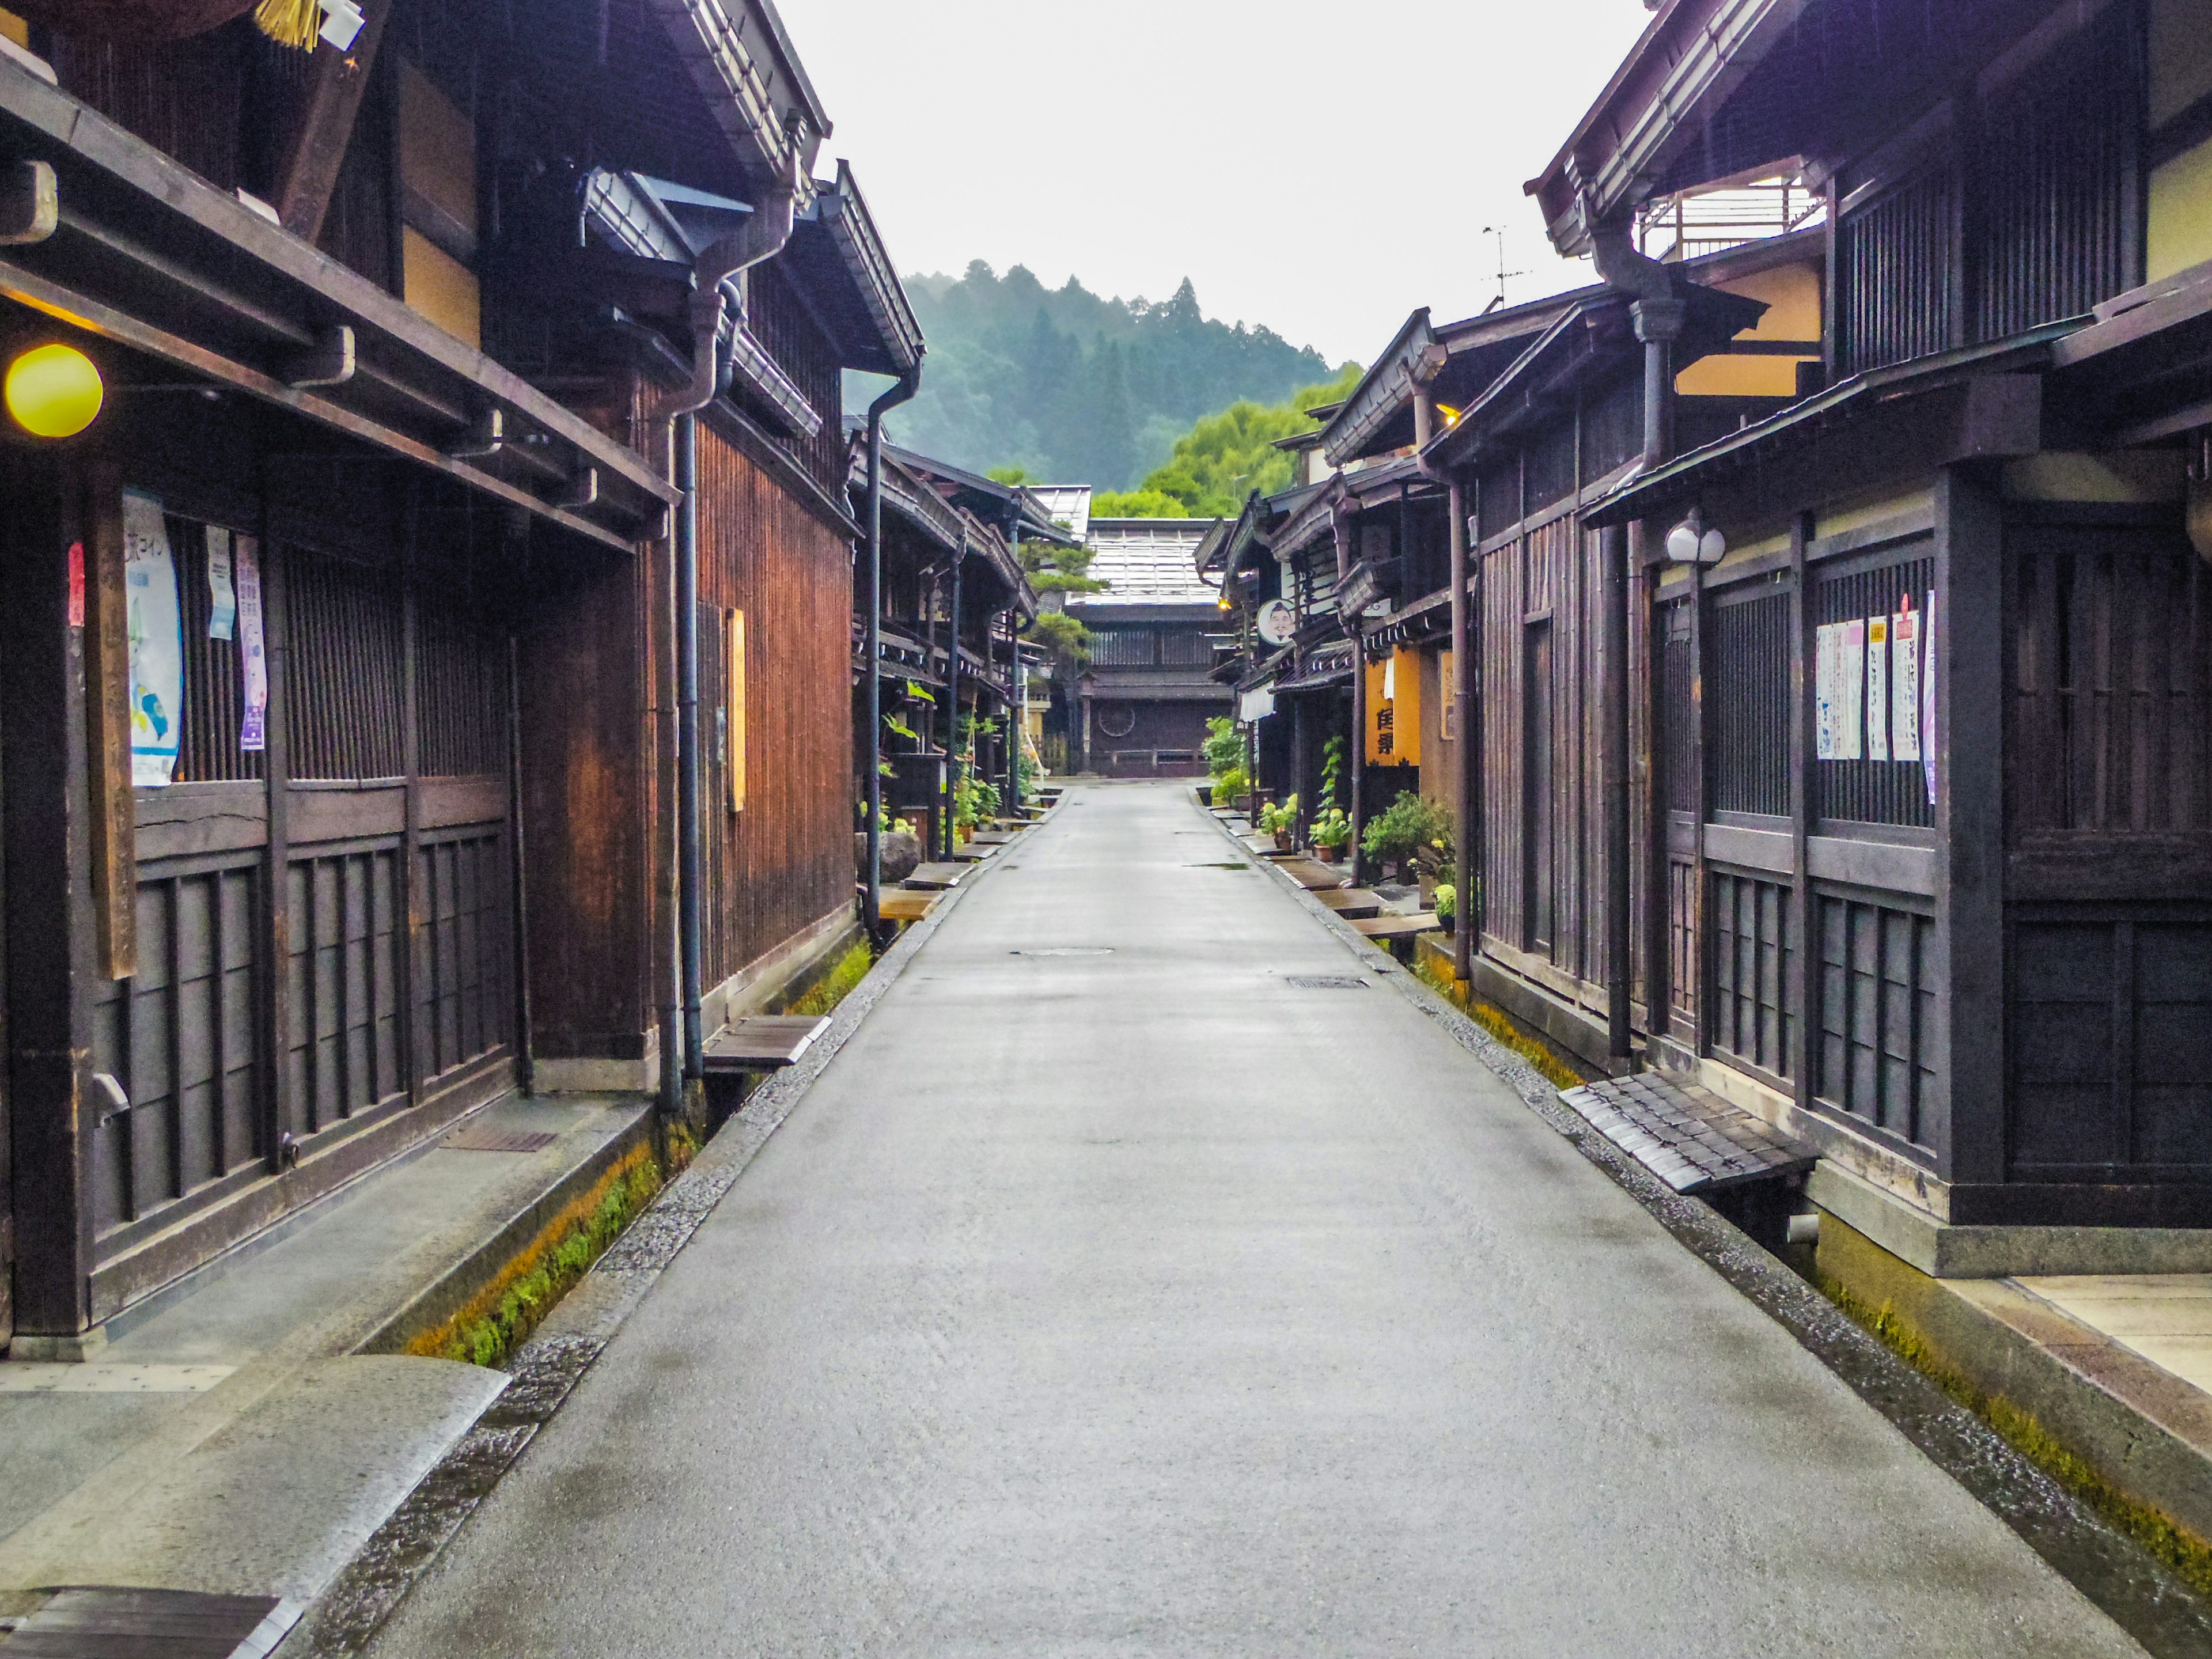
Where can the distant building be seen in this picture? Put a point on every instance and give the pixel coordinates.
(1141, 709)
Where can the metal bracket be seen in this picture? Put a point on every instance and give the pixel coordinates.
(485, 439)
(330, 364)
(30, 204)
(583, 490)
(111, 1092)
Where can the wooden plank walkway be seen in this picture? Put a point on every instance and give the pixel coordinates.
(906, 907)
(932, 877)
(1313, 875)
(1352, 903)
(764, 1042)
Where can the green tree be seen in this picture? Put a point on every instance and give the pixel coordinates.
(1225, 457)
(1137, 504)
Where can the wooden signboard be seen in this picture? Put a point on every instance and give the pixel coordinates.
(734, 682)
(1394, 710)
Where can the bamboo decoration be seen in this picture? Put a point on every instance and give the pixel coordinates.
(291, 22)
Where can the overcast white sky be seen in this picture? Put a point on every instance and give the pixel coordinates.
(1319, 165)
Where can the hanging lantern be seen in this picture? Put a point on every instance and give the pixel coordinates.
(140, 22)
(53, 392)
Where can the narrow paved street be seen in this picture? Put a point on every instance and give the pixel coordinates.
(1110, 1294)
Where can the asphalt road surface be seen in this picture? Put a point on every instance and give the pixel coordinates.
(1131, 1301)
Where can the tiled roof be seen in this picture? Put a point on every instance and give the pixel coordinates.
(1070, 502)
(1146, 561)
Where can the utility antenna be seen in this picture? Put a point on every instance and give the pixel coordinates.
(1499, 299)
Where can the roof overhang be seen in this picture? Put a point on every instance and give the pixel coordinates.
(1982, 403)
(740, 60)
(850, 281)
(1692, 56)
(151, 258)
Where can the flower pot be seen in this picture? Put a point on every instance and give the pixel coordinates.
(1330, 854)
(1206, 794)
(1282, 840)
(1450, 925)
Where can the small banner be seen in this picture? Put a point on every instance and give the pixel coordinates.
(223, 596)
(253, 661)
(157, 642)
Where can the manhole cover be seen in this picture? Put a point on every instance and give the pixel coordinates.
(1065, 950)
(491, 1138)
(1326, 982)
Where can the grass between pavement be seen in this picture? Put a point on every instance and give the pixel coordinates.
(1500, 1024)
(2189, 1556)
(499, 1318)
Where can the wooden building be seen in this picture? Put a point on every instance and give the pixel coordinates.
(345, 727)
(947, 571)
(1142, 705)
(1919, 671)
(961, 580)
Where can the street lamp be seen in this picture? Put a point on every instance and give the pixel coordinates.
(1690, 542)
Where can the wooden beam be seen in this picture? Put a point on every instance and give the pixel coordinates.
(113, 822)
(308, 173)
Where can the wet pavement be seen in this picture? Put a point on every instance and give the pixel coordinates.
(1112, 1294)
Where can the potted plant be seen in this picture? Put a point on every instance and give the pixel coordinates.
(1412, 832)
(1332, 833)
(1229, 786)
(1280, 822)
(1446, 905)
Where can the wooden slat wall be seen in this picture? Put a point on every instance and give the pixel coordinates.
(588, 786)
(2110, 696)
(786, 860)
(1503, 754)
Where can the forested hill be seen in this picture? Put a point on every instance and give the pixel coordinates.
(1071, 387)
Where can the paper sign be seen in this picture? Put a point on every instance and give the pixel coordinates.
(76, 585)
(253, 662)
(1905, 685)
(157, 642)
(1877, 688)
(1839, 690)
(222, 599)
(1928, 748)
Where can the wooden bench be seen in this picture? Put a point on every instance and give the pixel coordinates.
(930, 878)
(906, 907)
(762, 1043)
(1352, 903)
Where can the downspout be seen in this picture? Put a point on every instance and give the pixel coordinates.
(872, 906)
(1341, 521)
(760, 237)
(1658, 314)
(1466, 817)
(953, 705)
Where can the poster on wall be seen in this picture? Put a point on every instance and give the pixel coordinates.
(1929, 752)
(1877, 688)
(253, 654)
(1839, 689)
(222, 592)
(1905, 682)
(157, 642)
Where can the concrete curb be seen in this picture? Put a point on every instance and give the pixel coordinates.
(448, 1293)
(2145, 1430)
(348, 1615)
(2136, 1591)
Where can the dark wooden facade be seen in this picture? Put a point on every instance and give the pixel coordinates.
(441, 432)
(1979, 980)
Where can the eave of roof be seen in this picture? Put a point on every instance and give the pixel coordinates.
(2032, 349)
(1693, 53)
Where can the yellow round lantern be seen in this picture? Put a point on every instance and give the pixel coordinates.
(54, 391)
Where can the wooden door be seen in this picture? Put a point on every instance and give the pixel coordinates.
(1539, 810)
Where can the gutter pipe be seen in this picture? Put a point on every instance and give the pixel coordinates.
(872, 906)
(760, 237)
(1658, 313)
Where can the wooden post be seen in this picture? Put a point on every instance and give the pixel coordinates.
(279, 1109)
(308, 173)
(418, 1044)
(1799, 991)
(113, 821)
(1358, 744)
(51, 953)
(1462, 697)
(1965, 1120)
